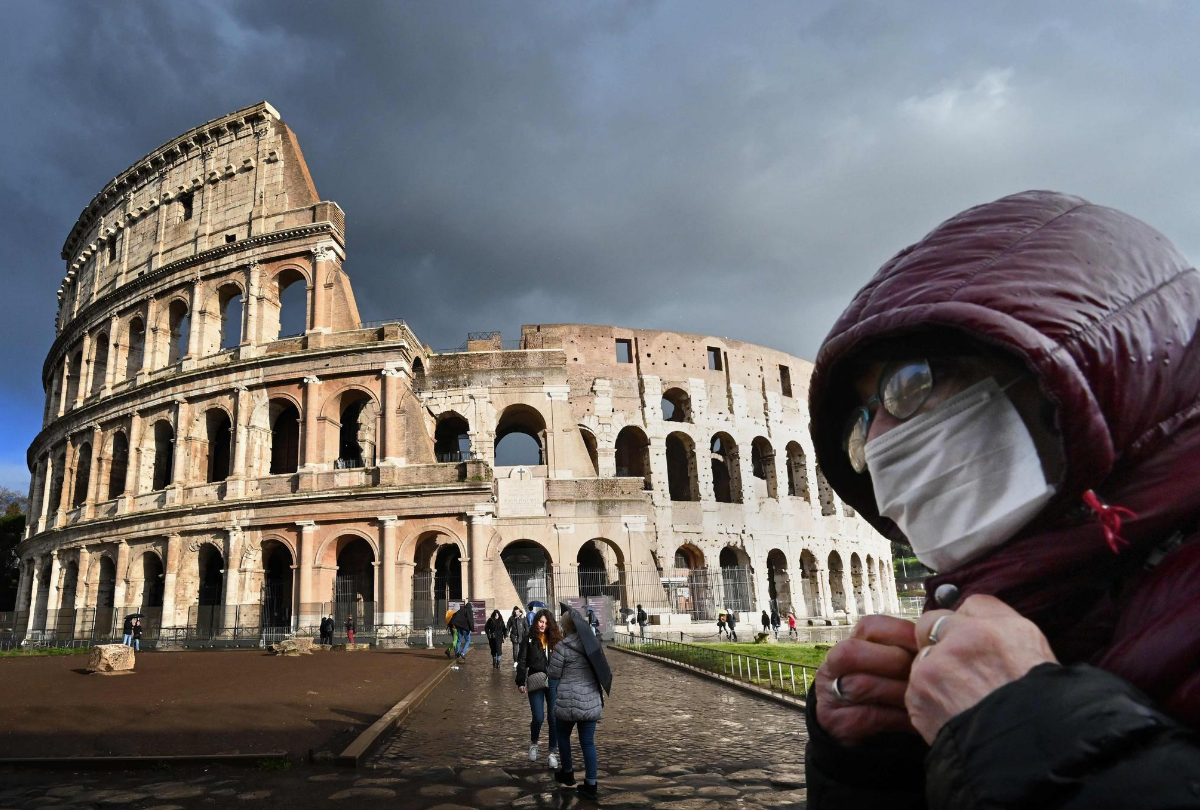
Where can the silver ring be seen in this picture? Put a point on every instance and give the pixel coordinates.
(837, 690)
(933, 634)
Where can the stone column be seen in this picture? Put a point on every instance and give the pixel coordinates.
(868, 600)
(253, 304)
(150, 338)
(195, 325)
(311, 406)
(89, 504)
(85, 371)
(824, 594)
(320, 262)
(476, 548)
(465, 573)
(848, 590)
(172, 552)
(235, 485)
(391, 452)
(179, 461)
(81, 590)
(68, 487)
(231, 586)
(387, 542)
(62, 389)
(44, 499)
(133, 469)
(306, 554)
(114, 357)
(35, 575)
(122, 582)
(404, 595)
(52, 605)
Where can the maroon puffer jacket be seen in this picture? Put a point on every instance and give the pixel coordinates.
(1106, 313)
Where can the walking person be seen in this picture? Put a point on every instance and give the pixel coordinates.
(127, 631)
(453, 648)
(137, 635)
(731, 622)
(579, 703)
(350, 627)
(463, 620)
(496, 632)
(775, 621)
(642, 618)
(593, 621)
(766, 622)
(721, 624)
(535, 683)
(326, 630)
(793, 633)
(516, 629)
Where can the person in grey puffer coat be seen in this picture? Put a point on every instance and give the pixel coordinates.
(579, 702)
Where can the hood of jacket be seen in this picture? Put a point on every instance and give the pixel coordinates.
(1104, 312)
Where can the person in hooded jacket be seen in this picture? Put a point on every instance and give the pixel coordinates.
(463, 621)
(516, 627)
(766, 622)
(1017, 397)
(496, 632)
(579, 703)
(775, 621)
(127, 631)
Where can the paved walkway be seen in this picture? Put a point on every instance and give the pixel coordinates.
(668, 740)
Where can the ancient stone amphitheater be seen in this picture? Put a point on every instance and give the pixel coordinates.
(231, 451)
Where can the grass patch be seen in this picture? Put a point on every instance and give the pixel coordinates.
(28, 652)
(274, 764)
(800, 653)
(712, 657)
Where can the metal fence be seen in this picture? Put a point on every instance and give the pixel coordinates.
(698, 592)
(792, 680)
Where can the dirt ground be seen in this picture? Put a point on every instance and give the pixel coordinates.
(202, 702)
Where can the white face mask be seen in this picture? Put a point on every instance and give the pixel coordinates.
(960, 479)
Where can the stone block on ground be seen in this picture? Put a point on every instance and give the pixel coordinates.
(350, 647)
(111, 659)
(286, 647)
(764, 638)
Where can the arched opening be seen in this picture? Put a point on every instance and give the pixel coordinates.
(292, 292)
(451, 439)
(99, 364)
(354, 585)
(152, 594)
(418, 371)
(52, 400)
(73, 379)
(65, 621)
(797, 471)
(837, 585)
(135, 348)
(164, 455)
(83, 473)
(106, 589)
(682, 480)
(208, 612)
(277, 585)
(437, 579)
(857, 582)
(873, 588)
(600, 569)
(41, 605)
(229, 299)
(809, 586)
(593, 451)
(285, 437)
(633, 454)
(178, 329)
(762, 463)
(528, 566)
(520, 437)
(688, 587)
(356, 431)
(118, 466)
(57, 478)
(726, 472)
(219, 437)
(676, 406)
(737, 579)
(779, 584)
(825, 493)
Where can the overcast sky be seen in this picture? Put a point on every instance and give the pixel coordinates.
(729, 169)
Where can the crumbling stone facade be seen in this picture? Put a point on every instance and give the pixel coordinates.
(195, 459)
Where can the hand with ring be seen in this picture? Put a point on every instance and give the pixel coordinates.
(967, 654)
(861, 684)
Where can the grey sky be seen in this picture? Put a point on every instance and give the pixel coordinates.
(730, 169)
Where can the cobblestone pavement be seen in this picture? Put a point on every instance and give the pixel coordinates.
(669, 740)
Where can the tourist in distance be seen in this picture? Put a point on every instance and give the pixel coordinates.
(593, 622)
(463, 621)
(495, 632)
(775, 621)
(127, 631)
(731, 624)
(327, 630)
(578, 703)
(350, 628)
(516, 628)
(1015, 397)
(642, 620)
(137, 635)
(793, 634)
(453, 648)
(766, 622)
(533, 681)
(721, 624)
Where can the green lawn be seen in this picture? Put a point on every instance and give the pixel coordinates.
(805, 654)
(29, 651)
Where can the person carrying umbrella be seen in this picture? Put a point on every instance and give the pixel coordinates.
(127, 631)
(582, 672)
(137, 634)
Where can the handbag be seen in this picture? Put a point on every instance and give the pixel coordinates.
(536, 681)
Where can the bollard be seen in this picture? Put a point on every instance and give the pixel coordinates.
(429, 637)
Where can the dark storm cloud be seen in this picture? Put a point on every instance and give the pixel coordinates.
(732, 170)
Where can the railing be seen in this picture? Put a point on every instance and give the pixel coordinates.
(383, 322)
(911, 605)
(792, 680)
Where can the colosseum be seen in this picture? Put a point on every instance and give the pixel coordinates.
(229, 450)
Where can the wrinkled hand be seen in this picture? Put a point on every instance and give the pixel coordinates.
(873, 665)
(981, 647)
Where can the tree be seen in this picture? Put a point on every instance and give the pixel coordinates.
(12, 529)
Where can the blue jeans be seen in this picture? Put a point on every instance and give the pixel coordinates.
(137, 645)
(587, 742)
(538, 703)
(128, 638)
(464, 641)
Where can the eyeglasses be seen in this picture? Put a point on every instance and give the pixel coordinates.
(904, 386)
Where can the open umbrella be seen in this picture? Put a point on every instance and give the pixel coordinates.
(593, 651)
(135, 615)
(535, 605)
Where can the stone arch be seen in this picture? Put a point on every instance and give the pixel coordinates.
(762, 465)
(676, 405)
(779, 582)
(797, 471)
(148, 584)
(226, 307)
(726, 468)
(351, 415)
(452, 438)
(632, 454)
(329, 548)
(162, 441)
(683, 482)
(601, 569)
(214, 448)
(67, 591)
(858, 584)
(83, 473)
(521, 420)
(593, 450)
(134, 350)
(737, 578)
(74, 377)
(284, 416)
(100, 361)
(118, 463)
(529, 565)
(286, 308)
(810, 589)
(837, 585)
(175, 328)
(276, 581)
(106, 591)
(407, 551)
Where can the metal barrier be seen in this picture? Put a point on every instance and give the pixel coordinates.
(792, 680)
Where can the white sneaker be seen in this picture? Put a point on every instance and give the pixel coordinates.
(552, 761)
(533, 752)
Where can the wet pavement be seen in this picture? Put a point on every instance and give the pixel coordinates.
(668, 739)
